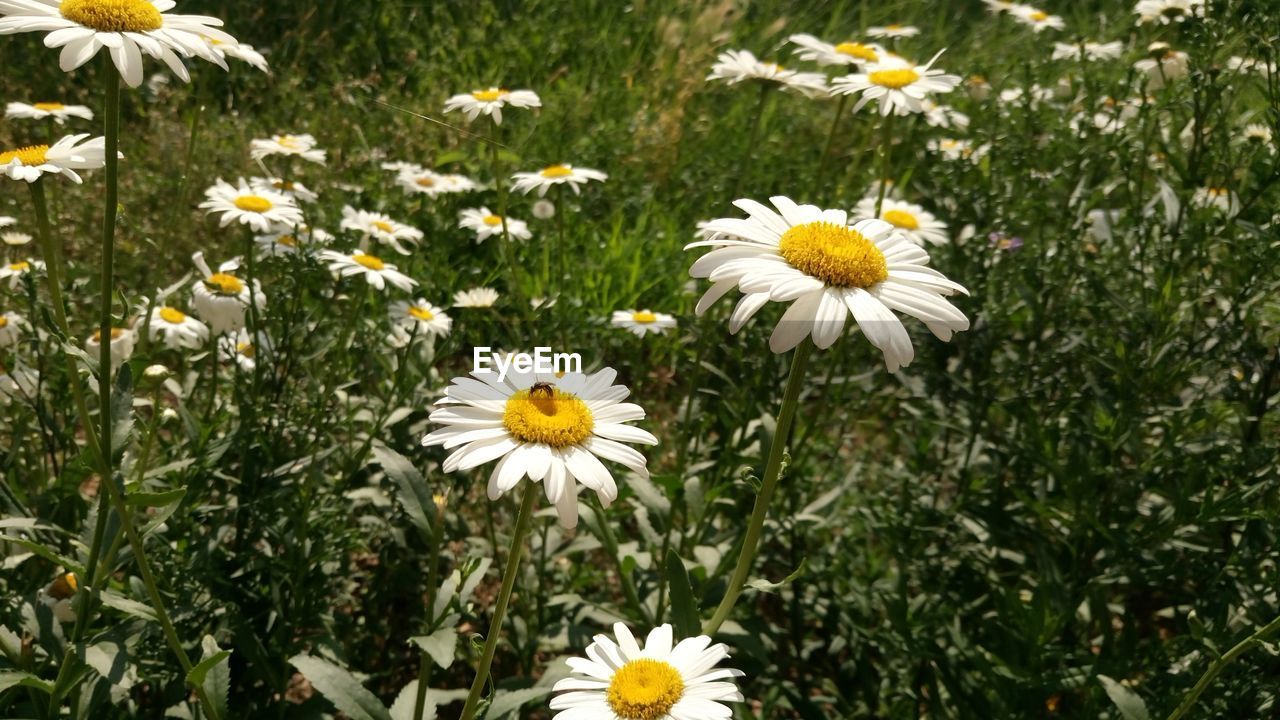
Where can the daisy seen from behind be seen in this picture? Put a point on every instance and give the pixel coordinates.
(41, 110)
(664, 680)
(826, 269)
(552, 175)
(491, 101)
(551, 428)
(480, 297)
(899, 85)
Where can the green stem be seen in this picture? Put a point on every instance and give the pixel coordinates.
(886, 138)
(507, 250)
(752, 135)
(773, 469)
(1241, 648)
(826, 150)
(433, 575)
(523, 522)
(611, 547)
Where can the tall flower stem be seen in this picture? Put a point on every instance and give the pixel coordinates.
(752, 135)
(885, 140)
(1241, 648)
(772, 471)
(433, 575)
(819, 176)
(500, 186)
(523, 521)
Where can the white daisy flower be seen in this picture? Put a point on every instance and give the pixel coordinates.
(846, 53)
(662, 681)
(642, 322)
(899, 85)
(416, 180)
(400, 166)
(122, 342)
(486, 225)
(15, 239)
(376, 272)
(549, 428)
(943, 116)
(289, 188)
(455, 183)
(221, 298)
(421, 318)
(292, 240)
(64, 157)
(6, 221)
(1221, 199)
(262, 209)
(1162, 64)
(481, 297)
(242, 349)
(14, 271)
(1088, 51)
(736, 66)
(126, 28)
(914, 222)
(176, 329)
(20, 384)
(1037, 19)
(491, 101)
(954, 149)
(42, 110)
(1166, 12)
(1258, 133)
(303, 146)
(827, 269)
(542, 303)
(545, 178)
(893, 31)
(1037, 95)
(381, 228)
(1235, 63)
(12, 325)
(240, 51)
(995, 7)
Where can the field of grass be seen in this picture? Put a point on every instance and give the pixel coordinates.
(1068, 510)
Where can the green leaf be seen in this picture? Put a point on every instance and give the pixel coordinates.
(341, 688)
(1130, 704)
(506, 702)
(403, 707)
(122, 407)
(684, 609)
(440, 645)
(13, 678)
(44, 552)
(157, 499)
(414, 494)
(127, 606)
(213, 674)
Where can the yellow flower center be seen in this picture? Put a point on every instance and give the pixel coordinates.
(425, 182)
(172, 315)
(893, 27)
(283, 185)
(30, 155)
(115, 335)
(1217, 192)
(385, 226)
(894, 79)
(492, 220)
(224, 284)
(488, 95)
(48, 107)
(20, 266)
(557, 171)
(1039, 16)
(857, 50)
(253, 203)
(290, 142)
(644, 316)
(369, 261)
(836, 255)
(246, 349)
(421, 313)
(548, 416)
(287, 241)
(644, 689)
(64, 586)
(900, 218)
(113, 15)
(4, 321)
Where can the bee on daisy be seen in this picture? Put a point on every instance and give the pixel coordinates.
(122, 341)
(221, 298)
(664, 680)
(642, 322)
(480, 297)
(261, 208)
(377, 273)
(827, 269)
(39, 111)
(18, 269)
(913, 221)
(419, 318)
(12, 326)
(849, 52)
(490, 102)
(736, 66)
(552, 175)
(288, 145)
(552, 428)
(177, 330)
(381, 228)
(486, 225)
(898, 85)
(64, 157)
(128, 29)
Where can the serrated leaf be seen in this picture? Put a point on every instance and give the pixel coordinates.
(213, 674)
(440, 645)
(341, 688)
(403, 707)
(506, 702)
(127, 606)
(1129, 703)
(684, 610)
(414, 494)
(44, 552)
(155, 499)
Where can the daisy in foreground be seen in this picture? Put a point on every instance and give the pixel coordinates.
(491, 101)
(64, 157)
(551, 175)
(259, 207)
(899, 85)
(486, 225)
(552, 429)
(662, 681)
(126, 28)
(642, 322)
(42, 110)
(827, 270)
(376, 272)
